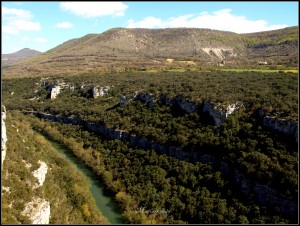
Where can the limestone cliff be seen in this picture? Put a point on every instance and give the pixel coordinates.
(38, 210)
(100, 91)
(287, 127)
(55, 91)
(218, 114)
(3, 136)
(40, 173)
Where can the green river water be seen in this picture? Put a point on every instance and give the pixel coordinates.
(104, 200)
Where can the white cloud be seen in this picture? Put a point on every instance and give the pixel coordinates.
(41, 40)
(94, 9)
(219, 20)
(24, 39)
(17, 20)
(64, 25)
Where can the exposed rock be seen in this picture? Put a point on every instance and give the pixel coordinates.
(3, 136)
(165, 100)
(219, 115)
(40, 173)
(287, 127)
(56, 87)
(265, 195)
(6, 189)
(184, 104)
(27, 165)
(100, 91)
(38, 210)
(178, 101)
(149, 98)
(221, 53)
(126, 99)
(55, 91)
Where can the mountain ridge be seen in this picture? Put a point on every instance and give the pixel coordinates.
(20, 55)
(139, 47)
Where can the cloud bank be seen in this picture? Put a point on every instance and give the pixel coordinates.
(220, 20)
(17, 20)
(64, 25)
(41, 40)
(94, 9)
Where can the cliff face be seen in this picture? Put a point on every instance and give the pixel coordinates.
(281, 125)
(220, 115)
(40, 173)
(149, 98)
(3, 136)
(38, 210)
(54, 92)
(100, 91)
(262, 193)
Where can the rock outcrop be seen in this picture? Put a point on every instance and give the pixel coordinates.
(126, 99)
(100, 91)
(265, 195)
(219, 115)
(184, 104)
(40, 173)
(38, 210)
(179, 101)
(55, 87)
(55, 91)
(3, 136)
(148, 98)
(221, 53)
(284, 126)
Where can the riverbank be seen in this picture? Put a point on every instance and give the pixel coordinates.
(104, 201)
(66, 189)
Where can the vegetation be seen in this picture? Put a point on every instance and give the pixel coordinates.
(274, 92)
(65, 188)
(153, 188)
(157, 188)
(122, 49)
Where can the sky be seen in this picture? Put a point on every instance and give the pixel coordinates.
(44, 25)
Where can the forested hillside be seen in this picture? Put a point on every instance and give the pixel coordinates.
(192, 147)
(64, 190)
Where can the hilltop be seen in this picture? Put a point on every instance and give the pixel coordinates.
(125, 48)
(20, 55)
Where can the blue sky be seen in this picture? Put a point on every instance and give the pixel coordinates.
(44, 25)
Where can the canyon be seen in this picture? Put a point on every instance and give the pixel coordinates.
(262, 193)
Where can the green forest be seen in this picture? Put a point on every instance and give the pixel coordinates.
(65, 188)
(155, 188)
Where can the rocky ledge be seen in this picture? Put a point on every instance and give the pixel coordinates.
(38, 210)
(3, 136)
(40, 173)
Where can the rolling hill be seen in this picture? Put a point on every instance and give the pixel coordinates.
(20, 55)
(134, 48)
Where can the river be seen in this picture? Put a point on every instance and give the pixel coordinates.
(104, 201)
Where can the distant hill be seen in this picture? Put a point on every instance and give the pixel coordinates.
(20, 55)
(137, 47)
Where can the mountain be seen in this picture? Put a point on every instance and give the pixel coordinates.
(20, 55)
(137, 47)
